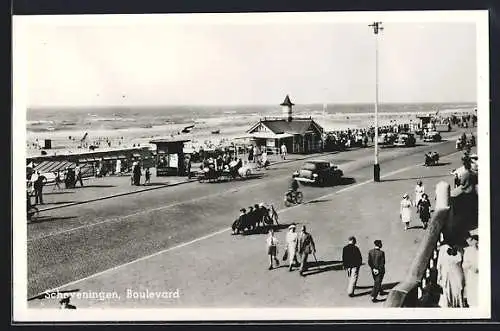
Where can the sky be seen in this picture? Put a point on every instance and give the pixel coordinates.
(162, 62)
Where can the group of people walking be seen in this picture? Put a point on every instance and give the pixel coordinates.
(298, 247)
(421, 203)
(352, 262)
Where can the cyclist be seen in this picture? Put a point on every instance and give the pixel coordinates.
(293, 188)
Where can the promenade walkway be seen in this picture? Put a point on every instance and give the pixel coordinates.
(112, 186)
(221, 270)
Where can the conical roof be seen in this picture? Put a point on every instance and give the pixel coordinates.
(287, 102)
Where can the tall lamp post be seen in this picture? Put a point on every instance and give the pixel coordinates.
(377, 27)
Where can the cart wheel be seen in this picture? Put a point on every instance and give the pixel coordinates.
(299, 197)
(248, 173)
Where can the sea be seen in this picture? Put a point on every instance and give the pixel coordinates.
(41, 120)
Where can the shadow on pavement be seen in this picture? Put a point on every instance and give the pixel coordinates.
(265, 229)
(43, 219)
(413, 178)
(317, 201)
(58, 192)
(48, 204)
(346, 181)
(95, 185)
(322, 266)
(385, 287)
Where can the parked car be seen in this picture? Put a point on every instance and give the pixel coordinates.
(386, 138)
(432, 136)
(405, 140)
(318, 172)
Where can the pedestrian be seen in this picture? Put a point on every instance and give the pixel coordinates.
(38, 186)
(451, 277)
(272, 249)
(376, 261)
(419, 190)
(471, 270)
(405, 211)
(283, 151)
(147, 176)
(136, 170)
(424, 209)
(78, 173)
(292, 240)
(351, 260)
(306, 246)
(250, 154)
(57, 180)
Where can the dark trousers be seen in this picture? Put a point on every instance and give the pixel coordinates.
(79, 179)
(38, 195)
(377, 283)
(303, 262)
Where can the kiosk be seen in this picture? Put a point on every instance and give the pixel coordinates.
(170, 158)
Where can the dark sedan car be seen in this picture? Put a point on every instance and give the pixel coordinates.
(318, 172)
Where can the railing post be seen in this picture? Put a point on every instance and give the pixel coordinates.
(442, 195)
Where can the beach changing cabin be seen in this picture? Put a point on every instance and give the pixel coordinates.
(300, 135)
(170, 158)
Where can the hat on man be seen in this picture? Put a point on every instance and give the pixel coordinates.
(378, 243)
(292, 226)
(243, 210)
(405, 195)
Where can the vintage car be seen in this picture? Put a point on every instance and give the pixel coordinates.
(432, 136)
(318, 172)
(405, 140)
(386, 138)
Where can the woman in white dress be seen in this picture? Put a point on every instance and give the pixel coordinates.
(451, 277)
(405, 210)
(471, 270)
(419, 191)
(292, 241)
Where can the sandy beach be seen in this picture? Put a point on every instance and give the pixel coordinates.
(230, 126)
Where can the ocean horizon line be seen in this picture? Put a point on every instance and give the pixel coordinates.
(107, 107)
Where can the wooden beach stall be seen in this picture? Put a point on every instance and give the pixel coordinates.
(170, 157)
(92, 162)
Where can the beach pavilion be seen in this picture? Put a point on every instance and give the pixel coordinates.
(300, 135)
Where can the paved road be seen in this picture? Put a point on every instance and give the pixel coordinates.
(79, 241)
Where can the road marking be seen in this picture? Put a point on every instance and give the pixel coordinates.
(123, 218)
(213, 234)
(233, 190)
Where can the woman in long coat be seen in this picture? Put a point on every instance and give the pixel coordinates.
(424, 209)
(471, 270)
(451, 277)
(292, 241)
(405, 210)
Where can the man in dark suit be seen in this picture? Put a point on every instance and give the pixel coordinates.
(306, 247)
(352, 260)
(376, 261)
